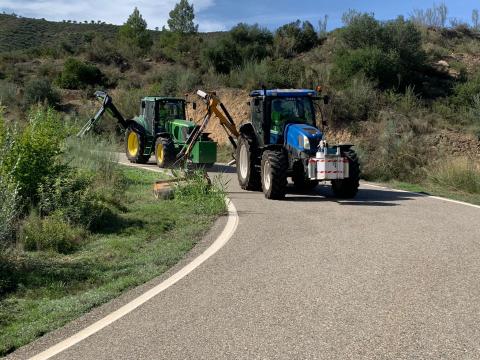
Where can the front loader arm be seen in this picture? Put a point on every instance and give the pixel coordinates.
(107, 105)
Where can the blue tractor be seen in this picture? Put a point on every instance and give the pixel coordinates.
(282, 140)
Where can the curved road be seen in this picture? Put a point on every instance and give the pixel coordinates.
(389, 275)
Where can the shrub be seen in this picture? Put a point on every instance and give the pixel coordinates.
(284, 73)
(50, 233)
(389, 54)
(294, 38)
(243, 44)
(8, 190)
(464, 93)
(40, 91)
(357, 102)
(393, 150)
(461, 174)
(35, 152)
(176, 81)
(8, 93)
(77, 74)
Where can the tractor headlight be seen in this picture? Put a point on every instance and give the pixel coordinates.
(306, 143)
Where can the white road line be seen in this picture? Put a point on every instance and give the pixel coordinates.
(425, 195)
(221, 240)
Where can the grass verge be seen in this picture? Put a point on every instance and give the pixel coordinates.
(140, 242)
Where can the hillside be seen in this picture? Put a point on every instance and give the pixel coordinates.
(408, 95)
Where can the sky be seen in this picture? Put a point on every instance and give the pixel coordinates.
(218, 15)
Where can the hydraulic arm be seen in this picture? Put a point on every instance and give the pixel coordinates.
(214, 107)
(107, 105)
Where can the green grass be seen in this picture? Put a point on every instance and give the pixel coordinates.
(139, 244)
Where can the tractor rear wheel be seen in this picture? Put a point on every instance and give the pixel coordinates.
(247, 173)
(300, 180)
(274, 174)
(348, 188)
(164, 152)
(135, 146)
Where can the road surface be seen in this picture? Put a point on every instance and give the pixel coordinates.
(389, 275)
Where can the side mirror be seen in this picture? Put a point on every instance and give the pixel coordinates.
(256, 102)
(248, 103)
(326, 99)
(194, 105)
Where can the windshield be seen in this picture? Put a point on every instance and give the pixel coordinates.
(170, 110)
(294, 109)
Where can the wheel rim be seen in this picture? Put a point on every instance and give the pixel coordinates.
(133, 143)
(243, 161)
(266, 175)
(160, 153)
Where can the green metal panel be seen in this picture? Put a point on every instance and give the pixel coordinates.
(204, 152)
(180, 129)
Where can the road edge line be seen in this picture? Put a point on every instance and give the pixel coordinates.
(220, 241)
(424, 195)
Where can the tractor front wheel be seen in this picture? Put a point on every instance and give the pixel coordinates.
(300, 180)
(164, 152)
(348, 188)
(248, 175)
(135, 146)
(274, 174)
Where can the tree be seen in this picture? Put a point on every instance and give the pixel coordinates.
(294, 38)
(322, 27)
(181, 18)
(134, 33)
(475, 19)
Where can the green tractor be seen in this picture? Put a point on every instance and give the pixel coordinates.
(160, 129)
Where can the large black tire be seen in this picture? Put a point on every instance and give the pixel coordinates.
(135, 146)
(164, 152)
(274, 174)
(300, 180)
(248, 174)
(348, 188)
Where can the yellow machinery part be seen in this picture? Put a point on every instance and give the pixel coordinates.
(133, 143)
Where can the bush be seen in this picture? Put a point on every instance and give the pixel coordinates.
(178, 47)
(35, 152)
(50, 233)
(393, 149)
(176, 81)
(77, 74)
(282, 73)
(243, 44)
(357, 102)
(461, 174)
(8, 93)
(464, 93)
(8, 190)
(40, 91)
(294, 38)
(390, 54)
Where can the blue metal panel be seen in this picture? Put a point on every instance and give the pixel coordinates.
(295, 136)
(285, 92)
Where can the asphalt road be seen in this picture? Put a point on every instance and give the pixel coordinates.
(389, 275)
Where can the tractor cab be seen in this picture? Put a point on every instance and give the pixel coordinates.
(274, 110)
(159, 111)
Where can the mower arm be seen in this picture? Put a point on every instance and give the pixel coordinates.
(214, 107)
(107, 105)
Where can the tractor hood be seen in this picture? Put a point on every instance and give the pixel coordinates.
(302, 137)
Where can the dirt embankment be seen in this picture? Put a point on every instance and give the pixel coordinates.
(235, 101)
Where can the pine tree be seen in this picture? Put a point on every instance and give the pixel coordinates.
(134, 32)
(181, 18)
